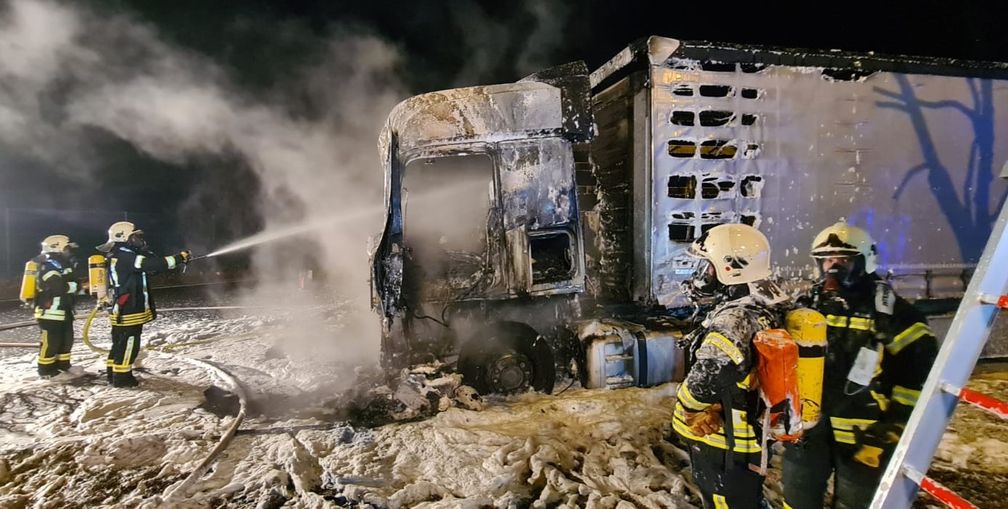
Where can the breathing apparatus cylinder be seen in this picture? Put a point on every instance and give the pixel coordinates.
(778, 382)
(808, 328)
(97, 277)
(28, 281)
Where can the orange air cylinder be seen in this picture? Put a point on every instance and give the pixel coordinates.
(777, 373)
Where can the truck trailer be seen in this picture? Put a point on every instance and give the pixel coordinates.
(539, 230)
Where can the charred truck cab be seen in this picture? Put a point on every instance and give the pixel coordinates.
(482, 256)
(539, 228)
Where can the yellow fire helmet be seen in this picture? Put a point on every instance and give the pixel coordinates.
(842, 239)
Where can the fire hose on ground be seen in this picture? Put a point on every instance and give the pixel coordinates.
(225, 440)
(182, 489)
(228, 435)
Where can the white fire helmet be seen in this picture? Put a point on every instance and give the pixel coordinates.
(118, 232)
(56, 244)
(843, 240)
(121, 231)
(739, 253)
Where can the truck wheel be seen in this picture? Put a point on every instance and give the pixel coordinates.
(507, 362)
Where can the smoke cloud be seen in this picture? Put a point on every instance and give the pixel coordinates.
(492, 48)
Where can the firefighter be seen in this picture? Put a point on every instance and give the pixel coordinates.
(55, 290)
(716, 404)
(129, 263)
(878, 356)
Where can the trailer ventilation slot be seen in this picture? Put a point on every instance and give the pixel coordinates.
(712, 188)
(752, 68)
(705, 227)
(684, 90)
(684, 118)
(717, 149)
(750, 93)
(846, 74)
(717, 66)
(713, 118)
(682, 186)
(681, 233)
(751, 186)
(687, 232)
(681, 148)
(716, 90)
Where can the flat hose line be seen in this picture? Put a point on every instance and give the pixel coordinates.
(220, 373)
(182, 489)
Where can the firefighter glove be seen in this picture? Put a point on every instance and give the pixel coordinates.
(185, 255)
(876, 443)
(706, 421)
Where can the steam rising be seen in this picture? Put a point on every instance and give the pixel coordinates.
(66, 72)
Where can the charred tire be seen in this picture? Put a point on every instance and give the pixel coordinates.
(508, 359)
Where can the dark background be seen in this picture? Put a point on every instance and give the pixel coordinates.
(259, 43)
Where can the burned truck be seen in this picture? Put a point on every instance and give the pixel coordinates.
(540, 229)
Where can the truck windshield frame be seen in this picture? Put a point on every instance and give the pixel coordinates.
(450, 203)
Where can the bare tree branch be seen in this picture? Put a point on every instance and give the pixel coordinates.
(974, 91)
(971, 171)
(887, 93)
(906, 178)
(949, 104)
(893, 106)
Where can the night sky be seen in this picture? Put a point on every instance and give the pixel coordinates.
(259, 43)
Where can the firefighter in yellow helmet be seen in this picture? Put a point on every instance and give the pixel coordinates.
(129, 264)
(55, 291)
(716, 403)
(880, 350)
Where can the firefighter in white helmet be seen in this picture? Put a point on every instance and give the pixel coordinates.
(54, 294)
(880, 350)
(129, 264)
(716, 404)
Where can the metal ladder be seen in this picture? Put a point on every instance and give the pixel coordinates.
(956, 359)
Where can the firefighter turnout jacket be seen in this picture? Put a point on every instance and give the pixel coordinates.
(871, 324)
(128, 268)
(55, 288)
(723, 361)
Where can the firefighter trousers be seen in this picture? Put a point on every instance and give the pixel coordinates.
(125, 347)
(809, 464)
(735, 487)
(54, 346)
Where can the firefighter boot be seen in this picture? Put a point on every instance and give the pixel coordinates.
(47, 370)
(62, 366)
(124, 380)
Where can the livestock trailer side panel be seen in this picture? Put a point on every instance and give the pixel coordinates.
(908, 150)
